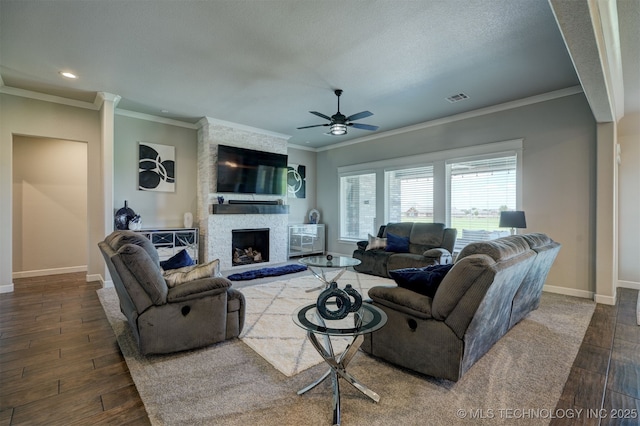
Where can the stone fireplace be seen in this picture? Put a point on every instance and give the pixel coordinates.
(217, 222)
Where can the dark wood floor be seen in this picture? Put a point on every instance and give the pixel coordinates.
(604, 381)
(59, 360)
(60, 363)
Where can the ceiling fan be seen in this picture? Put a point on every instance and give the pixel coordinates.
(338, 122)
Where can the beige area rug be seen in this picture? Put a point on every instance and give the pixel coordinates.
(269, 329)
(230, 384)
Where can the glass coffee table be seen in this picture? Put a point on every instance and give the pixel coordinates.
(367, 319)
(327, 262)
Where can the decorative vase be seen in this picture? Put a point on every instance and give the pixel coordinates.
(342, 303)
(123, 216)
(356, 299)
(188, 220)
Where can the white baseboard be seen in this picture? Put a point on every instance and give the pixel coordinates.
(628, 284)
(7, 288)
(54, 271)
(568, 291)
(605, 300)
(94, 277)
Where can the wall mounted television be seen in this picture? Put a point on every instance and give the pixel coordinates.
(247, 171)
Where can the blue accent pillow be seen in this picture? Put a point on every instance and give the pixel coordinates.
(397, 244)
(421, 280)
(178, 260)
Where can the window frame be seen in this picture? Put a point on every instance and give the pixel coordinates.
(441, 184)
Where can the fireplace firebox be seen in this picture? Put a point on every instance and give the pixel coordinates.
(249, 246)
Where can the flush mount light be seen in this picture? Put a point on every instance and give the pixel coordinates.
(338, 129)
(68, 74)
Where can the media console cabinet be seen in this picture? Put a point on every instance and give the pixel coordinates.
(169, 241)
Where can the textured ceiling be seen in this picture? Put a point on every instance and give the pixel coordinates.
(266, 64)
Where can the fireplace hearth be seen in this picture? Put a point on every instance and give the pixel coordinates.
(249, 246)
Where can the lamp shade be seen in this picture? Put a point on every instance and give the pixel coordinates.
(513, 219)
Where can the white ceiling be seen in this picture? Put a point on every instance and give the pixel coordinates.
(267, 63)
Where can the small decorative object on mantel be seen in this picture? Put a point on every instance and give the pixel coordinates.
(314, 216)
(220, 199)
(123, 216)
(347, 300)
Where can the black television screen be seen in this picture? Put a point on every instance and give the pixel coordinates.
(247, 171)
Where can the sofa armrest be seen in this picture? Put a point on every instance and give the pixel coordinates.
(440, 255)
(402, 300)
(198, 288)
(362, 245)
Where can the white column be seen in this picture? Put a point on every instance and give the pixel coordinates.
(98, 228)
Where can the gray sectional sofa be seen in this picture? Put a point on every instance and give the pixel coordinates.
(429, 244)
(490, 288)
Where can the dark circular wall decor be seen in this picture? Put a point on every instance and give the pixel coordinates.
(156, 170)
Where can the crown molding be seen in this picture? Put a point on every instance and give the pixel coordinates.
(569, 91)
(156, 119)
(214, 121)
(102, 97)
(47, 98)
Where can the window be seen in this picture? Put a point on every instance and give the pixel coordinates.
(358, 206)
(479, 189)
(409, 194)
(465, 188)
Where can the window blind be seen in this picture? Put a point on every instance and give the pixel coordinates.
(409, 194)
(358, 206)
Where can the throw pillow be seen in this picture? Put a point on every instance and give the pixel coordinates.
(421, 280)
(178, 260)
(376, 243)
(397, 244)
(185, 274)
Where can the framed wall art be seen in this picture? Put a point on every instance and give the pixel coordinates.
(156, 167)
(296, 181)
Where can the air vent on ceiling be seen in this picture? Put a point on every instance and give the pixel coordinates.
(457, 97)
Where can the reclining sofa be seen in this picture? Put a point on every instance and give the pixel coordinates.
(428, 244)
(190, 315)
(490, 288)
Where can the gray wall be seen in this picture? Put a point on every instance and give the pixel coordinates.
(558, 175)
(629, 201)
(299, 207)
(157, 209)
(49, 206)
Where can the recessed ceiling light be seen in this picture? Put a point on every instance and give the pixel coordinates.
(164, 111)
(68, 74)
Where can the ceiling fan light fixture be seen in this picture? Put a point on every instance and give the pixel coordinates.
(338, 129)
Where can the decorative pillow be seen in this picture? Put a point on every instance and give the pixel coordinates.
(185, 274)
(421, 280)
(397, 244)
(178, 260)
(376, 243)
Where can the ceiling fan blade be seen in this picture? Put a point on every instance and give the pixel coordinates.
(364, 126)
(359, 115)
(308, 127)
(319, 114)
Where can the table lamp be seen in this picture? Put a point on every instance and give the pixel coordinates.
(513, 220)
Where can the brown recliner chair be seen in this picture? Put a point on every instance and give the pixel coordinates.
(163, 320)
